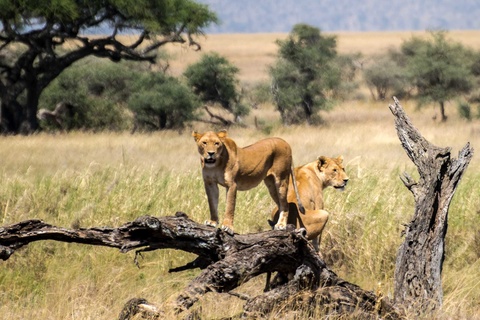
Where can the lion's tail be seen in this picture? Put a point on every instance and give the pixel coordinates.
(295, 188)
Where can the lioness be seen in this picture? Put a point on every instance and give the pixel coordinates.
(311, 179)
(235, 168)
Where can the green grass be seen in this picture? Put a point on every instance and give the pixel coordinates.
(88, 180)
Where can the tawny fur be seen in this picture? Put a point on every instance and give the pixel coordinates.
(311, 179)
(238, 169)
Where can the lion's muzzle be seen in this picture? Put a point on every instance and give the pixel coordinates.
(342, 186)
(210, 158)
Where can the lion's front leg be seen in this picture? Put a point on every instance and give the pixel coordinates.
(212, 194)
(227, 224)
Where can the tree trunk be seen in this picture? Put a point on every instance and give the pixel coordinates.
(30, 122)
(443, 116)
(19, 104)
(227, 262)
(418, 284)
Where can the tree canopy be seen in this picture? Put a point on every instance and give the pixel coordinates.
(214, 80)
(439, 69)
(303, 73)
(40, 39)
(161, 102)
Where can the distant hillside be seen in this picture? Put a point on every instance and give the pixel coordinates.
(257, 16)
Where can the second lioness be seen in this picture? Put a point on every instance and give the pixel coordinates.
(237, 169)
(311, 179)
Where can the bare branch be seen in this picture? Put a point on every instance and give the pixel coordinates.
(222, 120)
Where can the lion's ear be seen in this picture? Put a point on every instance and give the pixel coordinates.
(196, 136)
(222, 133)
(322, 160)
(340, 159)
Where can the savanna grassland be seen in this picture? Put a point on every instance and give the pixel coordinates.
(106, 179)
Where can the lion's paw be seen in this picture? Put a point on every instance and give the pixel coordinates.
(228, 230)
(280, 227)
(211, 223)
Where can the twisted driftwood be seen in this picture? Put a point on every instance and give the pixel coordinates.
(227, 262)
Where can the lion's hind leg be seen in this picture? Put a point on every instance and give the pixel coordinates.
(315, 221)
(278, 189)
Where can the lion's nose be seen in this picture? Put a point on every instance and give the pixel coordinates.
(345, 181)
(211, 154)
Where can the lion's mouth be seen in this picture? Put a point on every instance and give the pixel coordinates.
(210, 160)
(341, 187)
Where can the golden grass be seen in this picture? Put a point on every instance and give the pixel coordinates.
(107, 179)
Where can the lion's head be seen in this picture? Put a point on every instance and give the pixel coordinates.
(333, 171)
(210, 146)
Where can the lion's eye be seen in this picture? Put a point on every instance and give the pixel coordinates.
(204, 143)
(217, 144)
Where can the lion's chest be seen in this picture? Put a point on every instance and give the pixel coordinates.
(244, 178)
(214, 176)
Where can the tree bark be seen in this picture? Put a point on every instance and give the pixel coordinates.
(227, 262)
(420, 258)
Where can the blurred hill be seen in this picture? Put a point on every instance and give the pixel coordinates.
(259, 16)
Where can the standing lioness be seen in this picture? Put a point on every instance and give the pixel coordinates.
(239, 169)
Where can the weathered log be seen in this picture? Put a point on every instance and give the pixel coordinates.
(145, 234)
(231, 260)
(420, 258)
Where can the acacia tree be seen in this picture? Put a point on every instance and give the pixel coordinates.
(33, 34)
(303, 73)
(439, 69)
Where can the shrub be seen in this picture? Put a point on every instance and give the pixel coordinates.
(386, 77)
(161, 102)
(465, 111)
(96, 92)
(214, 80)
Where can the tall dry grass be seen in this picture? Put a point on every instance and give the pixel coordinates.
(82, 179)
(105, 179)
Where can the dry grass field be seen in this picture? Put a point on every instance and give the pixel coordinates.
(107, 179)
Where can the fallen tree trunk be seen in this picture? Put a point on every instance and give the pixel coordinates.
(418, 284)
(227, 262)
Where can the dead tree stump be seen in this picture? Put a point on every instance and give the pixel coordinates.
(420, 258)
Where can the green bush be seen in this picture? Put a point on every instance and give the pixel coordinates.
(96, 91)
(214, 80)
(161, 102)
(386, 78)
(465, 111)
